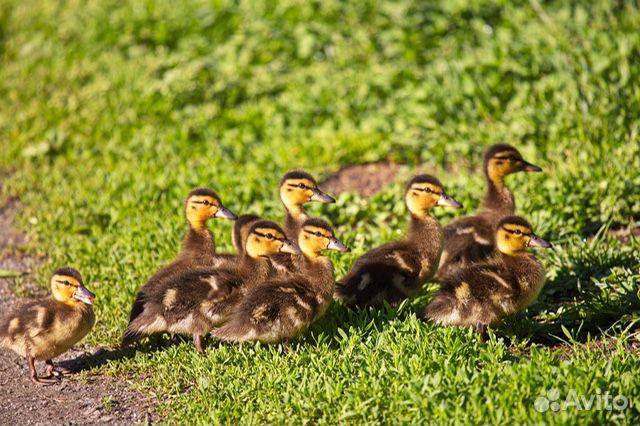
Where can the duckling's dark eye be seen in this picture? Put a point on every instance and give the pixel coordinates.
(517, 232)
(301, 186)
(427, 190)
(269, 236)
(317, 234)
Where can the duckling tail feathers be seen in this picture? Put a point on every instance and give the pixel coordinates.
(235, 331)
(130, 336)
(441, 309)
(136, 310)
(345, 293)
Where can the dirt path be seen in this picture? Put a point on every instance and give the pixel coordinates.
(99, 400)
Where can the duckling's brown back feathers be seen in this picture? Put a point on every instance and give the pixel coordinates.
(45, 328)
(273, 311)
(468, 240)
(485, 292)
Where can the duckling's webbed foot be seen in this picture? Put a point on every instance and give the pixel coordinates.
(199, 342)
(52, 371)
(45, 381)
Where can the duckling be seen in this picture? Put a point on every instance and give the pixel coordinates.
(297, 188)
(471, 238)
(396, 270)
(198, 245)
(195, 301)
(45, 328)
(280, 309)
(241, 228)
(485, 292)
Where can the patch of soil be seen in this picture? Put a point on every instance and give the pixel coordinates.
(365, 179)
(99, 400)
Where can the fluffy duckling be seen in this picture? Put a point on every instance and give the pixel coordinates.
(198, 245)
(241, 229)
(396, 270)
(195, 301)
(297, 188)
(485, 292)
(471, 238)
(45, 328)
(278, 310)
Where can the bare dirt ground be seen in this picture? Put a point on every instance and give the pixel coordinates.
(94, 399)
(365, 179)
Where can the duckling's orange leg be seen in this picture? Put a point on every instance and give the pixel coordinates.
(199, 342)
(34, 374)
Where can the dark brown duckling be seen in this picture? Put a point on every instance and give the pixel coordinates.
(471, 238)
(45, 328)
(278, 310)
(198, 245)
(396, 270)
(485, 292)
(296, 189)
(195, 301)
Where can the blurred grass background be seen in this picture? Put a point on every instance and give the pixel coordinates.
(113, 110)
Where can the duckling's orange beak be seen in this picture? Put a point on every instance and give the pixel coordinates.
(335, 244)
(528, 167)
(322, 197)
(84, 295)
(536, 241)
(289, 247)
(223, 213)
(447, 201)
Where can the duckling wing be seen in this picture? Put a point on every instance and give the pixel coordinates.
(44, 328)
(184, 304)
(272, 311)
(17, 326)
(480, 294)
(182, 265)
(390, 272)
(467, 240)
(177, 266)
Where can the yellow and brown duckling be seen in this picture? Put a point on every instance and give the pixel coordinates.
(485, 292)
(45, 328)
(296, 189)
(471, 238)
(198, 245)
(279, 309)
(241, 228)
(195, 301)
(397, 270)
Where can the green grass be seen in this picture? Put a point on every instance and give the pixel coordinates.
(111, 111)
